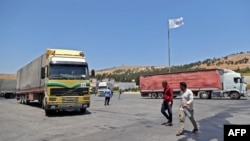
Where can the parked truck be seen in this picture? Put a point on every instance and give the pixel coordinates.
(102, 86)
(8, 88)
(58, 80)
(204, 83)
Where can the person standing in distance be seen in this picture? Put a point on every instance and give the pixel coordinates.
(108, 95)
(120, 92)
(167, 102)
(186, 102)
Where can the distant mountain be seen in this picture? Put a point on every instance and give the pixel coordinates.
(122, 69)
(7, 76)
(233, 61)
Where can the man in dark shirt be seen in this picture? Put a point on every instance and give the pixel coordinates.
(167, 102)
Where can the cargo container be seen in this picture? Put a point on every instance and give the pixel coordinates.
(206, 83)
(58, 79)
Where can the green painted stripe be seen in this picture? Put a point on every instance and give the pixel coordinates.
(59, 84)
(76, 85)
(88, 84)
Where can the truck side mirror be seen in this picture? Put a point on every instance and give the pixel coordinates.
(42, 72)
(92, 73)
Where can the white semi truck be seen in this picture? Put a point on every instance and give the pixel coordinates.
(205, 83)
(102, 86)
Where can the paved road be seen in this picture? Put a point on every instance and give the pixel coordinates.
(130, 118)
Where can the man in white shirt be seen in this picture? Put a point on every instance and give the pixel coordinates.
(186, 102)
(108, 94)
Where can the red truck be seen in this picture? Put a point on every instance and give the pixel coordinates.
(204, 83)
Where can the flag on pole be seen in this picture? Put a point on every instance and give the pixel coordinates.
(174, 23)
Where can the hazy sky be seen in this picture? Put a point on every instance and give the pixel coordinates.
(122, 32)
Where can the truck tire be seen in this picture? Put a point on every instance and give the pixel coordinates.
(154, 95)
(21, 99)
(204, 95)
(83, 110)
(44, 103)
(234, 95)
(25, 100)
(47, 112)
(160, 95)
(7, 95)
(40, 99)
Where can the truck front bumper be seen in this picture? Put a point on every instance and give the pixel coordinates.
(67, 106)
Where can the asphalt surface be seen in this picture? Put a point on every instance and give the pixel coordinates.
(131, 118)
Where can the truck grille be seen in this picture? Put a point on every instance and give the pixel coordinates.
(69, 91)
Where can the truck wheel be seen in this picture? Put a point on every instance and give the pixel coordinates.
(7, 95)
(21, 99)
(83, 110)
(154, 95)
(47, 112)
(204, 95)
(25, 100)
(12, 95)
(160, 95)
(44, 103)
(234, 95)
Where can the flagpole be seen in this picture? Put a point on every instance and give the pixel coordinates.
(168, 49)
(172, 23)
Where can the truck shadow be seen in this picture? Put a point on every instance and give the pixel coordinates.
(211, 128)
(59, 113)
(149, 98)
(217, 98)
(35, 104)
(197, 98)
(65, 113)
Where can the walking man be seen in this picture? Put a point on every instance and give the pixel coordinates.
(167, 102)
(186, 105)
(120, 92)
(108, 95)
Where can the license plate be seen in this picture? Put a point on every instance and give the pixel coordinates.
(70, 99)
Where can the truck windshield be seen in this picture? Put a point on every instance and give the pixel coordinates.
(242, 80)
(68, 71)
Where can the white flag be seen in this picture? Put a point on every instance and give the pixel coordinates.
(174, 23)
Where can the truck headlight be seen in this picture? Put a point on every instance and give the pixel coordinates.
(86, 98)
